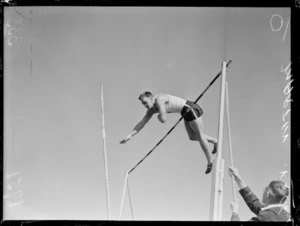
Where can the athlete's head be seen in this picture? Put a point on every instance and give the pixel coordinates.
(147, 99)
(275, 193)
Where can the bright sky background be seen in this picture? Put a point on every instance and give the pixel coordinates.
(53, 133)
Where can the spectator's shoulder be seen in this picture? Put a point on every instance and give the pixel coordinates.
(266, 215)
(274, 214)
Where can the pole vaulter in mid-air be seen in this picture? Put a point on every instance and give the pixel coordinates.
(166, 103)
(189, 110)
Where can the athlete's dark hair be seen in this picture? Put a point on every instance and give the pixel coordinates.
(145, 94)
(280, 191)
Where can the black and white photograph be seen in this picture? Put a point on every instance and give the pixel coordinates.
(147, 113)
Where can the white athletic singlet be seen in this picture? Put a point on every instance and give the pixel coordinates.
(174, 104)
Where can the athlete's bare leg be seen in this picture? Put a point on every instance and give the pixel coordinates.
(192, 135)
(197, 126)
(190, 131)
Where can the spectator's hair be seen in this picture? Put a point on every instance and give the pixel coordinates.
(145, 94)
(280, 191)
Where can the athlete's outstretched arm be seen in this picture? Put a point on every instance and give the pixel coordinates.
(139, 126)
(160, 103)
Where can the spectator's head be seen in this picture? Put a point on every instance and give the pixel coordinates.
(275, 193)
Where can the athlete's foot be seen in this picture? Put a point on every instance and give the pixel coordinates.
(209, 168)
(214, 151)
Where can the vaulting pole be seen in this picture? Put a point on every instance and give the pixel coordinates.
(105, 154)
(224, 65)
(218, 166)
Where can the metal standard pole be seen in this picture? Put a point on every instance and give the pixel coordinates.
(130, 200)
(229, 137)
(216, 174)
(220, 190)
(123, 196)
(104, 153)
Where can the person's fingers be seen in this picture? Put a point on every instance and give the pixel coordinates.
(234, 169)
(230, 171)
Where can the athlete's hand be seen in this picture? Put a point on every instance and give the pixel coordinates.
(125, 139)
(161, 119)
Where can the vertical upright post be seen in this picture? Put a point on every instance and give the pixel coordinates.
(105, 154)
(216, 172)
(123, 196)
(220, 190)
(130, 200)
(229, 138)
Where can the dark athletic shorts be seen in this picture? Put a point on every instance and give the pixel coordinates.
(192, 111)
